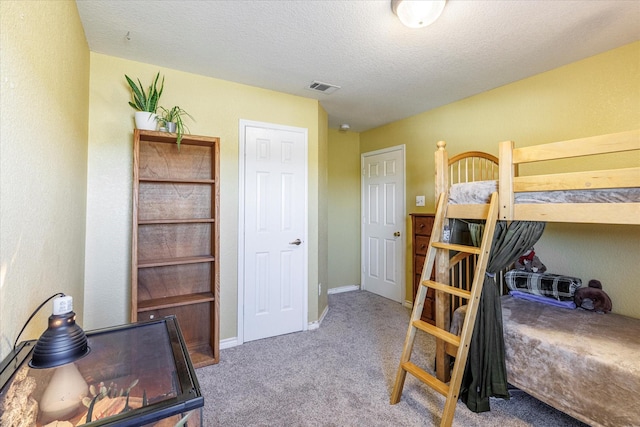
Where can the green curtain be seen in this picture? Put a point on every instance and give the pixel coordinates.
(485, 374)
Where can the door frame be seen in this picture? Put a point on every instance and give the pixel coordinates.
(403, 216)
(243, 124)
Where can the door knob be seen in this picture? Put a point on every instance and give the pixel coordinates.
(296, 242)
(397, 234)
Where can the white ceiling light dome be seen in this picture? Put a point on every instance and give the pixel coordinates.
(417, 13)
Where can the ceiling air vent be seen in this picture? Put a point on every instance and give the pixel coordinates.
(325, 88)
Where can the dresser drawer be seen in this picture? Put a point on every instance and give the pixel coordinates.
(429, 310)
(423, 224)
(422, 243)
(418, 263)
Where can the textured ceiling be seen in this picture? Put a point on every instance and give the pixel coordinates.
(386, 71)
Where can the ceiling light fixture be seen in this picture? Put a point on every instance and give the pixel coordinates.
(345, 127)
(417, 13)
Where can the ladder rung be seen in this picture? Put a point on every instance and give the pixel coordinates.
(446, 288)
(426, 378)
(437, 332)
(458, 248)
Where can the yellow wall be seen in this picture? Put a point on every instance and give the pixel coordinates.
(344, 208)
(44, 101)
(594, 96)
(217, 107)
(70, 96)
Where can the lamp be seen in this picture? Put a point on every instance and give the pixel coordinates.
(417, 13)
(64, 341)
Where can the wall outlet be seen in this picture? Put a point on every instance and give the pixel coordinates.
(319, 289)
(419, 200)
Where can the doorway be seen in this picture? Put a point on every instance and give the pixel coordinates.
(383, 222)
(272, 246)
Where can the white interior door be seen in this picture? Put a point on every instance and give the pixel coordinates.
(273, 228)
(383, 222)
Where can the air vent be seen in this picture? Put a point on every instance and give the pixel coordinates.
(325, 88)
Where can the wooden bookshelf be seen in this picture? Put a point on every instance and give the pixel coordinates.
(175, 237)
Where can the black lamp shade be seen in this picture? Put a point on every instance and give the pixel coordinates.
(63, 342)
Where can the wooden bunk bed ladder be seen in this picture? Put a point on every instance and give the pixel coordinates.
(450, 390)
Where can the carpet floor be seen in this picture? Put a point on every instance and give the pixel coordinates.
(342, 374)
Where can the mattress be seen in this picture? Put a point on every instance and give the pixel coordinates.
(583, 363)
(480, 192)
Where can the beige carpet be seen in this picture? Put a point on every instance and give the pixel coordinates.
(342, 375)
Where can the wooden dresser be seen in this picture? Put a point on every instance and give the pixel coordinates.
(422, 223)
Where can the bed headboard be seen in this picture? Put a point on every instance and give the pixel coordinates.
(464, 167)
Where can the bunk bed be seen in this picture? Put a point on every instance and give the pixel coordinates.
(580, 362)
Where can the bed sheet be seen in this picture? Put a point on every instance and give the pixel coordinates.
(480, 192)
(583, 363)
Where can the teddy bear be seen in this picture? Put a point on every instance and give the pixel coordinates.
(530, 262)
(593, 298)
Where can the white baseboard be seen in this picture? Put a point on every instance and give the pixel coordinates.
(341, 289)
(316, 325)
(228, 343)
(408, 304)
(233, 342)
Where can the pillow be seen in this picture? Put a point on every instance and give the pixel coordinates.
(561, 288)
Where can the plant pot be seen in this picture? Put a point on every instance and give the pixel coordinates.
(171, 126)
(146, 120)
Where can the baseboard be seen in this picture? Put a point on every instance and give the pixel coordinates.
(228, 343)
(316, 324)
(408, 304)
(232, 342)
(341, 289)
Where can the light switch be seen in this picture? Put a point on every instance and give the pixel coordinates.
(419, 200)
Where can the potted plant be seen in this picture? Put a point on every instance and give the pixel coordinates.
(173, 121)
(145, 103)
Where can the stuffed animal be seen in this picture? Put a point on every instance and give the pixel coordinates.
(530, 262)
(593, 298)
